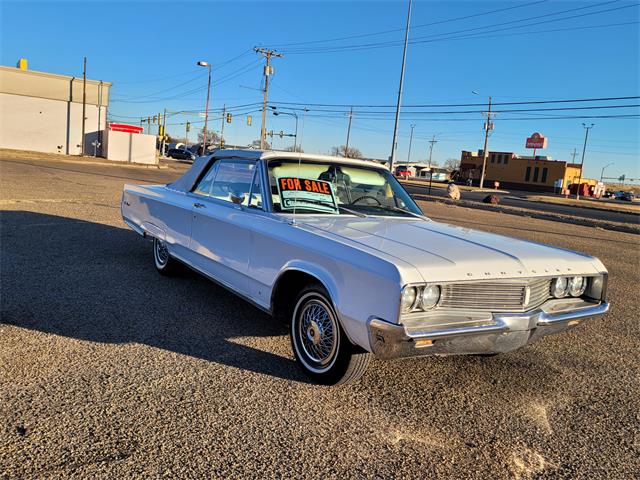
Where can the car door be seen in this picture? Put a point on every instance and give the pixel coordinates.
(221, 229)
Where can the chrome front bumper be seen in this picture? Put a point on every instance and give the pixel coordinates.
(499, 333)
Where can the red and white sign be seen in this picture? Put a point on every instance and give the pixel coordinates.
(537, 140)
(124, 127)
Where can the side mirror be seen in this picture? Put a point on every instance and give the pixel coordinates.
(236, 198)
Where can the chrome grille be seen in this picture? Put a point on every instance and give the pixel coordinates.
(496, 296)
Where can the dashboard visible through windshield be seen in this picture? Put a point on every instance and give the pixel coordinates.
(334, 188)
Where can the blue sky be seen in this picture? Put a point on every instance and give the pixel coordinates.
(149, 50)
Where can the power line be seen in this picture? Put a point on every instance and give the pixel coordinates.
(436, 105)
(413, 27)
(454, 35)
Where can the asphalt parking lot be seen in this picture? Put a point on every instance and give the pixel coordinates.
(109, 370)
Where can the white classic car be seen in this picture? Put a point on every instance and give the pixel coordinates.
(338, 249)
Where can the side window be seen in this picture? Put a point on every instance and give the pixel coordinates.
(527, 175)
(506, 159)
(545, 171)
(536, 172)
(204, 186)
(233, 177)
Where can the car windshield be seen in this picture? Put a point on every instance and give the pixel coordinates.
(334, 188)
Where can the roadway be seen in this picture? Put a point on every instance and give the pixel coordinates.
(109, 370)
(510, 199)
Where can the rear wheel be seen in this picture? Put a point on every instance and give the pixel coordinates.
(164, 263)
(319, 344)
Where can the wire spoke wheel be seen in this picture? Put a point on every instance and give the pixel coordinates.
(161, 252)
(315, 333)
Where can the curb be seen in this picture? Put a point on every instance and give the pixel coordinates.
(589, 207)
(522, 212)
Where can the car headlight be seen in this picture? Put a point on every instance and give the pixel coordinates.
(430, 297)
(577, 286)
(559, 287)
(408, 298)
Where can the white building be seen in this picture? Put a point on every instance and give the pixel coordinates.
(43, 112)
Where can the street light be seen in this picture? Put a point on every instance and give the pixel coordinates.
(295, 135)
(602, 174)
(202, 63)
(413, 125)
(584, 148)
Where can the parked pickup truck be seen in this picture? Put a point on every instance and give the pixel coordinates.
(339, 250)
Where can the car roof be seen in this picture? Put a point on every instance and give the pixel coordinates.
(272, 154)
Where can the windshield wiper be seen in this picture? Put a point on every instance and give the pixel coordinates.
(391, 208)
(352, 212)
(340, 207)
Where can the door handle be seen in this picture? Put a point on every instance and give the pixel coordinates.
(199, 205)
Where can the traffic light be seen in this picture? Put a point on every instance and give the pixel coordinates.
(161, 130)
(281, 133)
(249, 120)
(155, 119)
(188, 126)
(229, 118)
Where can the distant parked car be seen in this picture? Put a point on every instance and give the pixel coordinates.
(180, 154)
(626, 196)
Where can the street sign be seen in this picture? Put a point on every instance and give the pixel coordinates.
(536, 141)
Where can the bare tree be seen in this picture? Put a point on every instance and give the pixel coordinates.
(256, 144)
(291, 148)
(452, 164)
(212, 137)
(350, 153)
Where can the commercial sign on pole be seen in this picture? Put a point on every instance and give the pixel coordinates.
(536, 140)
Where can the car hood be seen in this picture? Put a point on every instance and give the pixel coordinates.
(445, 252)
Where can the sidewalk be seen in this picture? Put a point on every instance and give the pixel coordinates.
(631, 208)
(441, 185)
(8, 154)
(524, 212)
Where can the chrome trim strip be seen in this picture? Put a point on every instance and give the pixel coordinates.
(134, 227)
(548, 319)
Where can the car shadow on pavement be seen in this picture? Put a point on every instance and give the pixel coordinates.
(96, 282)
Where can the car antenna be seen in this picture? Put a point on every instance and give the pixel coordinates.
(304, 114)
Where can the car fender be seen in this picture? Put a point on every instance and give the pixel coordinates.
(325, 278)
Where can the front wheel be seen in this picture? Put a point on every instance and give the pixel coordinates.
(319, 344)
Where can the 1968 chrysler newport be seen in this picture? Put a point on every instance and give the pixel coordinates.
(338, 249)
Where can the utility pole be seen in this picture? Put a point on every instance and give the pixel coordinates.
(433, 141)
(224, 119)
(573, 156)
(487, 127)
(346, 147)
(394, 142)
(584, 149)
(164, 132)
(84, 103)
(268, 70)
(413, 125)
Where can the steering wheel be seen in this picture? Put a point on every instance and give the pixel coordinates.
(366, 196)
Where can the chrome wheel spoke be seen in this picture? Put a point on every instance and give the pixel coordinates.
(317, 332)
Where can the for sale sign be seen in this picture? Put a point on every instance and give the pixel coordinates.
(305, 193)
(536, 140)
